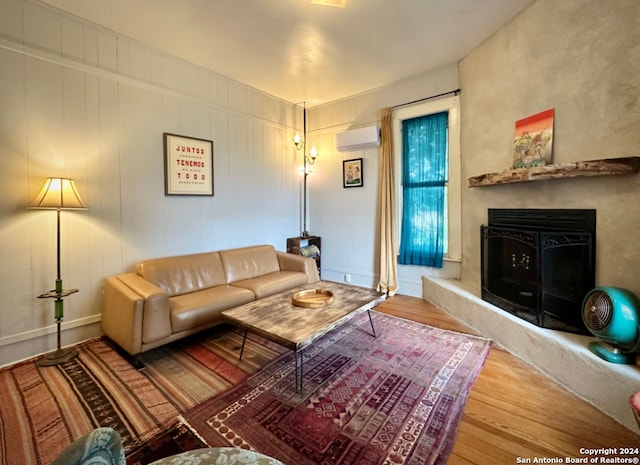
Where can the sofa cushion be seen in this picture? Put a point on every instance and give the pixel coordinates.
(199, 308)
(185, 273)
(249, 262)
(272, 283)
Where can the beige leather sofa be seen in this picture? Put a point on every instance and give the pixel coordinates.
(169, 298)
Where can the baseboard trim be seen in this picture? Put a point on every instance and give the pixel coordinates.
(48, 330)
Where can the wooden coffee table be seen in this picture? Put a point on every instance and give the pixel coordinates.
(277, 319)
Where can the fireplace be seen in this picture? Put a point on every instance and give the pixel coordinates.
(538, 264)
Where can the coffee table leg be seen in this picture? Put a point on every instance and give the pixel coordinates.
(244, 339)
(371, 321)
(299, 370)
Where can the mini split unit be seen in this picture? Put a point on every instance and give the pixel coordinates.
(358, 139)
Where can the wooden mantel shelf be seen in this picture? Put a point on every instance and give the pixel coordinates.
(606, 167)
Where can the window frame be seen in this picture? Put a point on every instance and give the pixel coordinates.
(454, 201)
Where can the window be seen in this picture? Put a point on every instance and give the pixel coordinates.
(423, 238)
(427, 147)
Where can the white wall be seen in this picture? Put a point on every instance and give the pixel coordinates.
(346, 218)
(81, 102)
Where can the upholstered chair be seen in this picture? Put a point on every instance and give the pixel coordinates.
(102, 445)
(218, 455)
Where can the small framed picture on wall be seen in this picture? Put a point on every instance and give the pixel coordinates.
(352, 175)
(188, 165)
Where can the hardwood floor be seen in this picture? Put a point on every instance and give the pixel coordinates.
(515, 414)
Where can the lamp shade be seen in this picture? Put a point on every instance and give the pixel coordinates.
(58, 194)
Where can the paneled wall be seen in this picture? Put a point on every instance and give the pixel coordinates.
(82, 102)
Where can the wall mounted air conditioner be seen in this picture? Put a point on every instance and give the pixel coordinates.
(358, 139)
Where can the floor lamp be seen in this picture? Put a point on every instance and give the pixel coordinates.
(309, 159)
(58, 194)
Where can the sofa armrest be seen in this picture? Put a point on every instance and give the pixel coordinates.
(134, 312)
(292, 262)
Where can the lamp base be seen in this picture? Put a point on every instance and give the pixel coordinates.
(57, 357)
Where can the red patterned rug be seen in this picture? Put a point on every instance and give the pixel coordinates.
(43, 409)
(394, 399)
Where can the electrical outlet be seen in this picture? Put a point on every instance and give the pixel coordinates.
(347, 278)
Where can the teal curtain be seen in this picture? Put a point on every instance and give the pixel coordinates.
(424, 178)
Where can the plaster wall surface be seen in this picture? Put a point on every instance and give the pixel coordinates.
(581, 58)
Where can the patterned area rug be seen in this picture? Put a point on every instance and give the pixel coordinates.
(190, 371)
(394, 399)
(45, 409)
(42, 410)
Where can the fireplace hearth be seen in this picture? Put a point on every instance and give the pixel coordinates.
(538, 264)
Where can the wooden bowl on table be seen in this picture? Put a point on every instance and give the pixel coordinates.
(312, 298)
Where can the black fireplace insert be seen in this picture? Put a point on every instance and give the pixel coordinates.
(538, 264)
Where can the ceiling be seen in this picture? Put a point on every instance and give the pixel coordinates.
(299, 51)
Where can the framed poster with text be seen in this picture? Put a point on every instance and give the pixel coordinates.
(188, 165)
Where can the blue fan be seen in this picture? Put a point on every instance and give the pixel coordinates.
(612, 314)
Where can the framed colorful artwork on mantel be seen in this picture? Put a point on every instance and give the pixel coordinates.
(188, 165)
(533, 141)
